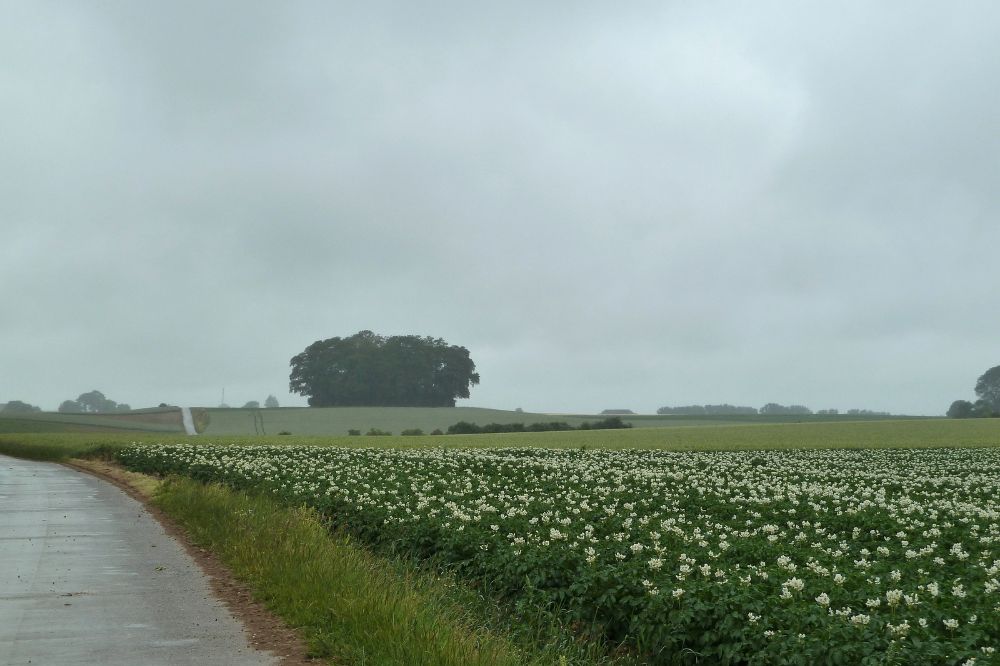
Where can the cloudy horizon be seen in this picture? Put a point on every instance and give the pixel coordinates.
(664, 204)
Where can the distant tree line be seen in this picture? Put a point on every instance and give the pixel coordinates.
(774, 408)
(988, 404)
(770, 409)
(852, 412)
(706, 410)
(467, 428)
(93, 402)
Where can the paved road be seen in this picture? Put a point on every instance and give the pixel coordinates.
(88, 577)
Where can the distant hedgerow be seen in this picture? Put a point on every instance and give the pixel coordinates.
(466, 428)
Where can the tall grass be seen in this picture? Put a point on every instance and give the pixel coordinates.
(349, 604)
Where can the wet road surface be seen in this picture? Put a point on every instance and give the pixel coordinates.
(87, 576)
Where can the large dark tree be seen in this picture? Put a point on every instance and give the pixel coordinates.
(988, 388)
(371, 370)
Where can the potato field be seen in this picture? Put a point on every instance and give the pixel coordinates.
(765, 557)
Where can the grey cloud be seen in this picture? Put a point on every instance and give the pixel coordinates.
(655, 204)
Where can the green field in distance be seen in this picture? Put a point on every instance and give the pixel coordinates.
(922, 433)
(333, 421)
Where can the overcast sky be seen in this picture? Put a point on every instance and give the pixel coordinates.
(611, 205)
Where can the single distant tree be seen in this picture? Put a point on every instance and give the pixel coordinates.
(988, 388)
(371, 370)
(69, 406)
(252, 404)
(271, 402)
(95, 401)
(960, 409)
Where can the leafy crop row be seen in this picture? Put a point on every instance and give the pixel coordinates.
(873, 556)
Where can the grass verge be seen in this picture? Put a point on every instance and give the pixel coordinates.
(347, 603)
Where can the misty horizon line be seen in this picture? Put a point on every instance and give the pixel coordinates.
(691, 409)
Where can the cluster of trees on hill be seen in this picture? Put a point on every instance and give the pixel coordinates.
(988, 404)
(366, 369)
(18, 407)
(771, 408)
(93, 402)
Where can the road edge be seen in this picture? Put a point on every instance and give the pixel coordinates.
(265, 630)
